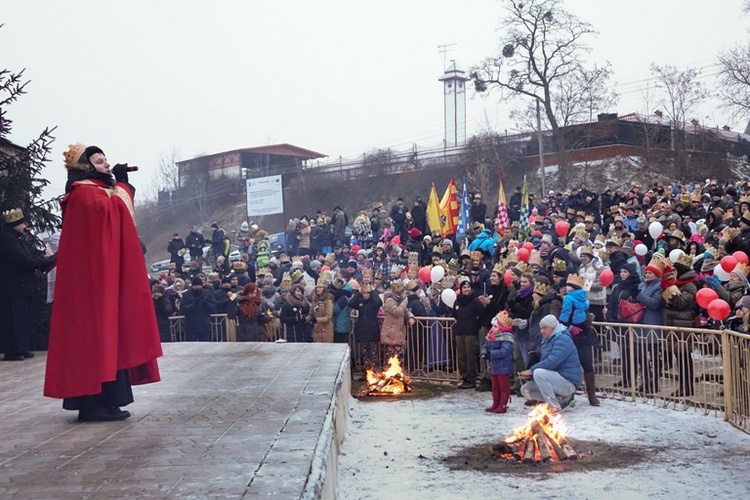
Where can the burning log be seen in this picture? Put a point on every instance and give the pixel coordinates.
(541, 440)
(393, 381)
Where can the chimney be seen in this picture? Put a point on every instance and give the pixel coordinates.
(659, 113)
(694, 122)
(726, 128)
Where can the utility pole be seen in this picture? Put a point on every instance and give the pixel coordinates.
(541, 145)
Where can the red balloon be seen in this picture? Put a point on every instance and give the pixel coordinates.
(718, 309)
(741, 257)
(728, 263)
(705, 296)
(424, 274)
(561, 228)
(508, 277)
(396, 239)
(606, 277)
(528, 246)
(523, 254)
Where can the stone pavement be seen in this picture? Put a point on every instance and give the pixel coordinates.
(228, 420)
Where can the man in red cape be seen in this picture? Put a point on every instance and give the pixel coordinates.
(103, 335)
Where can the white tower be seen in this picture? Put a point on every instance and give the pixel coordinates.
(454, 105)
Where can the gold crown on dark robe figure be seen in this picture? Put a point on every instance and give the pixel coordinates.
(12, 215)
(74, 157)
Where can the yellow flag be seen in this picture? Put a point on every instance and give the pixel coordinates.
(449, 209)
(433, 212)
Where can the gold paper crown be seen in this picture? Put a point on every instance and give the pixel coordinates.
(685, 260)
(570, 211)
(727, 216)
(696, 196)
(685, 197)
(503, 319)
(286, 281)
(677, 234)
(589, 218)
(397, 269)
(741, 268)
(367, 273)
(499, 269)
(263, 271)
(616, 240)
(453, 265)
(587, 250)
(523, 267)
(580, 213)
(619, 218)
(239, 265)
(324, 279)
(462, 279)
(397, 286)
(475, 255)
(600, 239)
(559, 265)
(414, 258)
(744, 199)
(614, 209)
(584, 235)
(542, 289)
(712, 250)
(12, 215)
(535, 258)
(297, 258)
(74, 157)
(414, 268)
(659, 263)
(575, 279)
(365, 288)
(338, 283)
(447, 282)
(296, 275)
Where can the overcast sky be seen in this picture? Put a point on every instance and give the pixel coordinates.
(143, 78)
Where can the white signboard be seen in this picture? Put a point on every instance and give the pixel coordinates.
(265, 196)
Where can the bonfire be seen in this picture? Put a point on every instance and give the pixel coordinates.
(390, 382)
(543, 439)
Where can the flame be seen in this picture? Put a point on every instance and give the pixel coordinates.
(391, 381)
(551, 423)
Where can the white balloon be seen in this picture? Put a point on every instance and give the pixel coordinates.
(655, 229)
(675, 254)
(448, 296)
(641, 249)
(720, 273)
(437, 273)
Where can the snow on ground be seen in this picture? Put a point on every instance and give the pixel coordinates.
(400, 449)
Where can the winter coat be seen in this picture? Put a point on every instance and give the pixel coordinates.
(590, 272)
(396, 315)
(415, 305)
(466, 309)
(484, 242)
(520, 308)
(499, 353)
(17, 266)
(197, 306)
(549, 304)
(164, 309)
(304, 235)
(559, 354)
(623, 291)
(498, 296)
(650, 295)
(367, 328)
(341, 310)
(575, 306)
(321, 315)
(293, 315)
(681, 309)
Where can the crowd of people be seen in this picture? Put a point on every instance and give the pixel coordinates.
(579, 257)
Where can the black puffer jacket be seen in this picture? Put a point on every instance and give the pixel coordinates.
(466, 310)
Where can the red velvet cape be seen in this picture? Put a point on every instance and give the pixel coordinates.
(103, 317)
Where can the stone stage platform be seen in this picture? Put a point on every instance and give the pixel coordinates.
(232, 420)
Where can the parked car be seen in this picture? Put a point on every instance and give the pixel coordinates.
(161, 266)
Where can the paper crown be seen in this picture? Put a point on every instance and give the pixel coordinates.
(559, 265)
(659, 263)
(325, 279)
(614, 240)
(523, 267)
(447, 282)
(580, 213)
(397, 286)
(462, 279)
(677, 234)
(286, 281)
(589, 218)
(711, 250)
(542, 289)
(586, 250)
(397, 269)
(13, 216)
(535, 258)
(263, 271)
(238, 266)
(365, 288)
(499, 269)
(367, 274)
(685, 260)
(575, 279)
(614, 209)
(475, 255)
(453, 265)
(296, 275)
(297, 258)
(741, 268)
(74, 157)
(504, 319)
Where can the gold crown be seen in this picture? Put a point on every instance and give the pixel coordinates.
(616, 240)
(580, 213)
(504, 319)
(659, 263)
(453, 264)
(535, 258)
(742, 268)
(462, 279)
(559, 265)
(727, 216)
(523, 267)
(74, 157)
(286, 281)
(397, 269)
(542, 289)
(686, 260)
(13, 215)
(575, 279)
(297, 258)
(475, 255)
(330, 258)
(447, 282)
(712, 250)
(584, 235)
(589, 218)
(499, 269)
(619, 218)
(367, 273)
(744, 199)
(397, 286)
(296, 275)
(365, 288)
(325, 279)
(586, 250)
(239, 265)
(614, 209)
(263, 271)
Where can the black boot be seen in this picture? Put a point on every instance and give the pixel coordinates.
(485, 385)
(589, 378)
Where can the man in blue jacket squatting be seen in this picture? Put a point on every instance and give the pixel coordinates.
(557, 375)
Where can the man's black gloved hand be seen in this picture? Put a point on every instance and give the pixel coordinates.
(120, 172)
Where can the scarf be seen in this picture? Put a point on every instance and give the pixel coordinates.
(525, 292)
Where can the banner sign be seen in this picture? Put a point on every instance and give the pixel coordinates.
(265, 196)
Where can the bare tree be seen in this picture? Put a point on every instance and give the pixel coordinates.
(544, 45)
(682, 93)
(734, 78)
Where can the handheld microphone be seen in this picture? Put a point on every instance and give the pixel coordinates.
(132, 168)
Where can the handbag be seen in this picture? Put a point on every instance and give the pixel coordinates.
(631, 312)
(265, 315)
